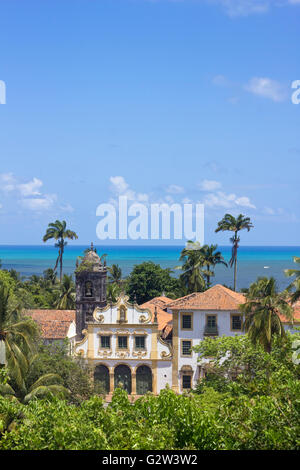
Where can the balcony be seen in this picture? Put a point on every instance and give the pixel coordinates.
(211, 330)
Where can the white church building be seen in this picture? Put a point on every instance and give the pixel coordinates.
(145, 348)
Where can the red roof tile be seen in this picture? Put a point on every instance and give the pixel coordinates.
(216, 298)
(54, 324)
(160, 303)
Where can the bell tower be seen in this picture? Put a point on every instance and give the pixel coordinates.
(90, 276)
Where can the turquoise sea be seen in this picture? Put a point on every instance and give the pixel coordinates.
(253, 261)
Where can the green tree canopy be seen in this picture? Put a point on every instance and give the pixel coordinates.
(262, 312)
(148, 280)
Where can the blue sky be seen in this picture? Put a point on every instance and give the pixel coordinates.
(165, 101)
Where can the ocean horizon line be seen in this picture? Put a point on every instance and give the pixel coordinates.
(141, 245)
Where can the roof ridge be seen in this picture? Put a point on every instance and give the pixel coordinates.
(229, 291)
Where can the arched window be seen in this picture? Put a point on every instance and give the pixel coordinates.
(101, 378)
(88, 289)
(122, 375)
(143, 380)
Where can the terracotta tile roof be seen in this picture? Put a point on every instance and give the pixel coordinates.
(54, 324)
(216, 298)
(160, 303)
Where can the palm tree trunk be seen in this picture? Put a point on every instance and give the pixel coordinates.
(235, 261)
(235, 271)
(208, 276)
(2, 353)
(61, 261)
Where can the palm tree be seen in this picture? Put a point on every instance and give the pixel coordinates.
(232, 224)
(66, 294)
(115, 274)
(192, 258)
(112, 292)
(17, 334)
(57, 230)
(296, 282)
(262, 309)
(50, 276)
(211, 257)
(44, 386)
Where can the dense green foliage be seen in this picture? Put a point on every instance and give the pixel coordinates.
(239, 367)
(74, 374)
(16, 335)
(294, 287)
(198, 263)
(250, 400)
(262, 312)
(148, 280)
(39, 291)
(208, 421)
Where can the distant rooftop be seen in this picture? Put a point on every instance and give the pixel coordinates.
(216, 298)
(160, 303)
(54, 324)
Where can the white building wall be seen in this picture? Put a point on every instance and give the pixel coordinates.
(197, 334)
(138, 322)
(164, 375)
(115, 352)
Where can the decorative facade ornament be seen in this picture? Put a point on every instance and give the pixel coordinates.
(105, 333)
(122, 354)
(139, 354)
(104, 353)
(165, 354)
(122, 314)
(155, 316)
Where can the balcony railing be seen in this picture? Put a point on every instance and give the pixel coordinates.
(211, 330)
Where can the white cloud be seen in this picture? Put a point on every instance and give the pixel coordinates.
(240, 8)
(39, 204)
(119, 184)
(186, 200)
(7, 182)
(243, 7)
(236, 8)
(31, 196)
(174, 189)
(220, 80)
(269, 211)
(227, 201)
(67, 207)
(121, 188)
(213, 197)
(261, 86)
(142, 197)
(31, 188)
(244, 202)
(267, 88)
(215, 167)
(209, 185)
